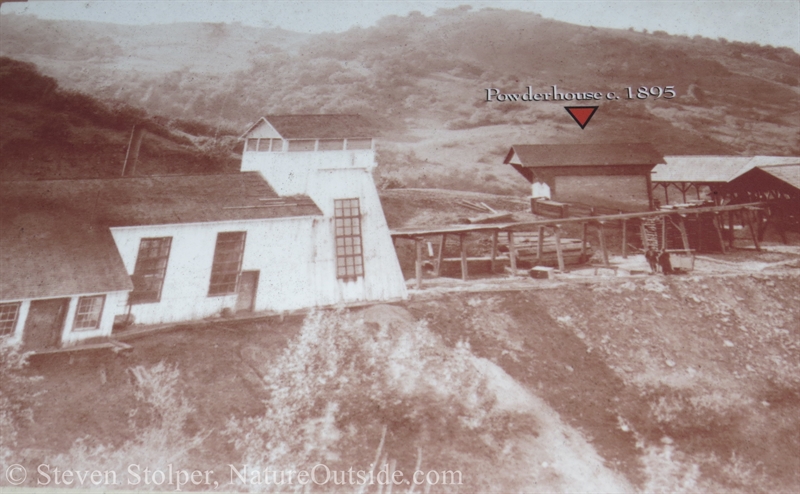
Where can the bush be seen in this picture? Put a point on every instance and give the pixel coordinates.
(14, 399)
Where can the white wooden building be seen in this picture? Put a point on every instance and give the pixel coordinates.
(307, 231)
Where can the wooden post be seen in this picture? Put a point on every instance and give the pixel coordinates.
(437, 269)
(418, 263)
(602, 235)
(540, 244)
(643, 235)
(512, 252)
(584, 228)
(717, 220)
(663, 233)
(624, 239)
(463, 257)
(731, 235)
(684, 236)
(753, 232)
(494, 251)
(559, 253)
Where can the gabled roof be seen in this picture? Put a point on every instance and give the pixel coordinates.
(160, 200)
(712, 169)
(605, 154)
(319, 126)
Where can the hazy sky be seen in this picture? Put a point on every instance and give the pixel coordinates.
(764, 21)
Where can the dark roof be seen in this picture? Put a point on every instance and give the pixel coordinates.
(159, 200)
(320, 126)
(557, 155)
(54, 252)
(55, 238)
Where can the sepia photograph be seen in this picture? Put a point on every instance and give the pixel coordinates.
(400, 247)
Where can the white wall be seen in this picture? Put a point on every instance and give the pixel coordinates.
(325, 176)
(280, 249)
(69, 336)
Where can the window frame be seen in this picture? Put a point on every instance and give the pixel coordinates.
(220, 283)
(139, 296)
(348, 234)
(76, 324)
(3, 320)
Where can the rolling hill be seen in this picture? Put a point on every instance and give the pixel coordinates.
(426, 78)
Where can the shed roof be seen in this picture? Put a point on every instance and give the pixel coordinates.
(158, 200)
(712, 169)
(604, 154)
(319, 126)
(55, 238)
(54, 253)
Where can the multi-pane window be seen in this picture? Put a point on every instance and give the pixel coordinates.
(330, 144)
(8, 318)
(89, 311)
(349, 255)
(252, 144)
(151, 267)
(227, 263)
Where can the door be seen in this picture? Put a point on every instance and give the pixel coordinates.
(44, 323)
(246, 294)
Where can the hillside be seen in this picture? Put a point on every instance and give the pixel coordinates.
(425, 78)
(556, 386)
(48, 132)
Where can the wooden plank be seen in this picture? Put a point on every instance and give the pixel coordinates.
(559, 253)
(418, 263)
(463, 256)
(494, 251)
(602, 235)
(437, 267)
(512, 253)
(643, 235)
(663, 233)
(624, 239)
(731, 234)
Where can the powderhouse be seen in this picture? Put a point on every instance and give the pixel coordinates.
(611, 176)
(78, 255)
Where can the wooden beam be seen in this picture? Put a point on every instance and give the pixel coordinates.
(512, 253)
(753, 231)
(438, 267)
(418, 263)
(584, 228)
(559, 251)
(731, 233)
(602, 235)
(663, 233)
(463, 256)
(717, 220)
(624, 239)
(540, 244)
(643, 235)
(684, 236)
(494, 251)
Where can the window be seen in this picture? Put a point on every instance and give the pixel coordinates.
(302, 144)
(331, 144)
(252, 144)
(349, 257)
(227, 263)
(90, 309)
(359, 144)
(151, 267)
(8, 318)
(277, 145)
